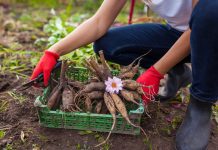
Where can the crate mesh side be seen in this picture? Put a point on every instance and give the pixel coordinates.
(87, 121)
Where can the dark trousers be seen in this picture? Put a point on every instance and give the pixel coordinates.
(204, 51)
(122, 45)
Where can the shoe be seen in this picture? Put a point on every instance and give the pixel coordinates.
(178, 77)
(194, 131)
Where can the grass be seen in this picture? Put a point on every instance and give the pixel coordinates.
(3, 105)
(215, 113)
(18, 62)
(2, 134)
(9, 147)
(148, 144)
(73, 12)
(17, 96)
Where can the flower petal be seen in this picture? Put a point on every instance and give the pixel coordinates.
(113, 89)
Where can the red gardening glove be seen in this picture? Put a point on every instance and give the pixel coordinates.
(150, 80)
(45, 66)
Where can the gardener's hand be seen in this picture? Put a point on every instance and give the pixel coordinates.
(150, 80)
(45, 66)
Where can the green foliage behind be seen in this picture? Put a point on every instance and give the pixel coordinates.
(86, 4)
(58, 27)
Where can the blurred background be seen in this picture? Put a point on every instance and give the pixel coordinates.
(28, 27)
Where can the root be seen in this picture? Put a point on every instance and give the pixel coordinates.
(128, 120)
(109, 134)
(78, 95)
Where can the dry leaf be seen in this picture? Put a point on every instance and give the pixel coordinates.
(22, 136)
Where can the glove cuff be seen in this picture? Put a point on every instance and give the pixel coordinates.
(156, 73)
(55, 55)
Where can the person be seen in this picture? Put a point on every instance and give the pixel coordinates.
(170, 47)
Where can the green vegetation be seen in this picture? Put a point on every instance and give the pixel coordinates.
(3, 107)
(87, 4)
(2, 134)
(57, 19)
(17, 96)
(215, 110)
(17, 62)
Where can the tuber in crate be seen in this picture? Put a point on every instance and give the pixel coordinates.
(87, 121)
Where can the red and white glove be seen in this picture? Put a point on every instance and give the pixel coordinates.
(45, 66)
(150, 80)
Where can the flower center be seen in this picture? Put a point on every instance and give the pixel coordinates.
(113, 85)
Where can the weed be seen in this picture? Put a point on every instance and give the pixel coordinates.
(58, 27)
(3, 105)
(215, 113)
(78, 147)
(17, 96)
(2, 134)
(147, 142)
(82, 147)
(100, 139)
(85, 132)
(17, 62)
(9, 147)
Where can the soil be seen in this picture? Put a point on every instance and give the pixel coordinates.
(19, 120)
(22, 117)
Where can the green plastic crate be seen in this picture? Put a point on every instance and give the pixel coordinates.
(87, 121)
